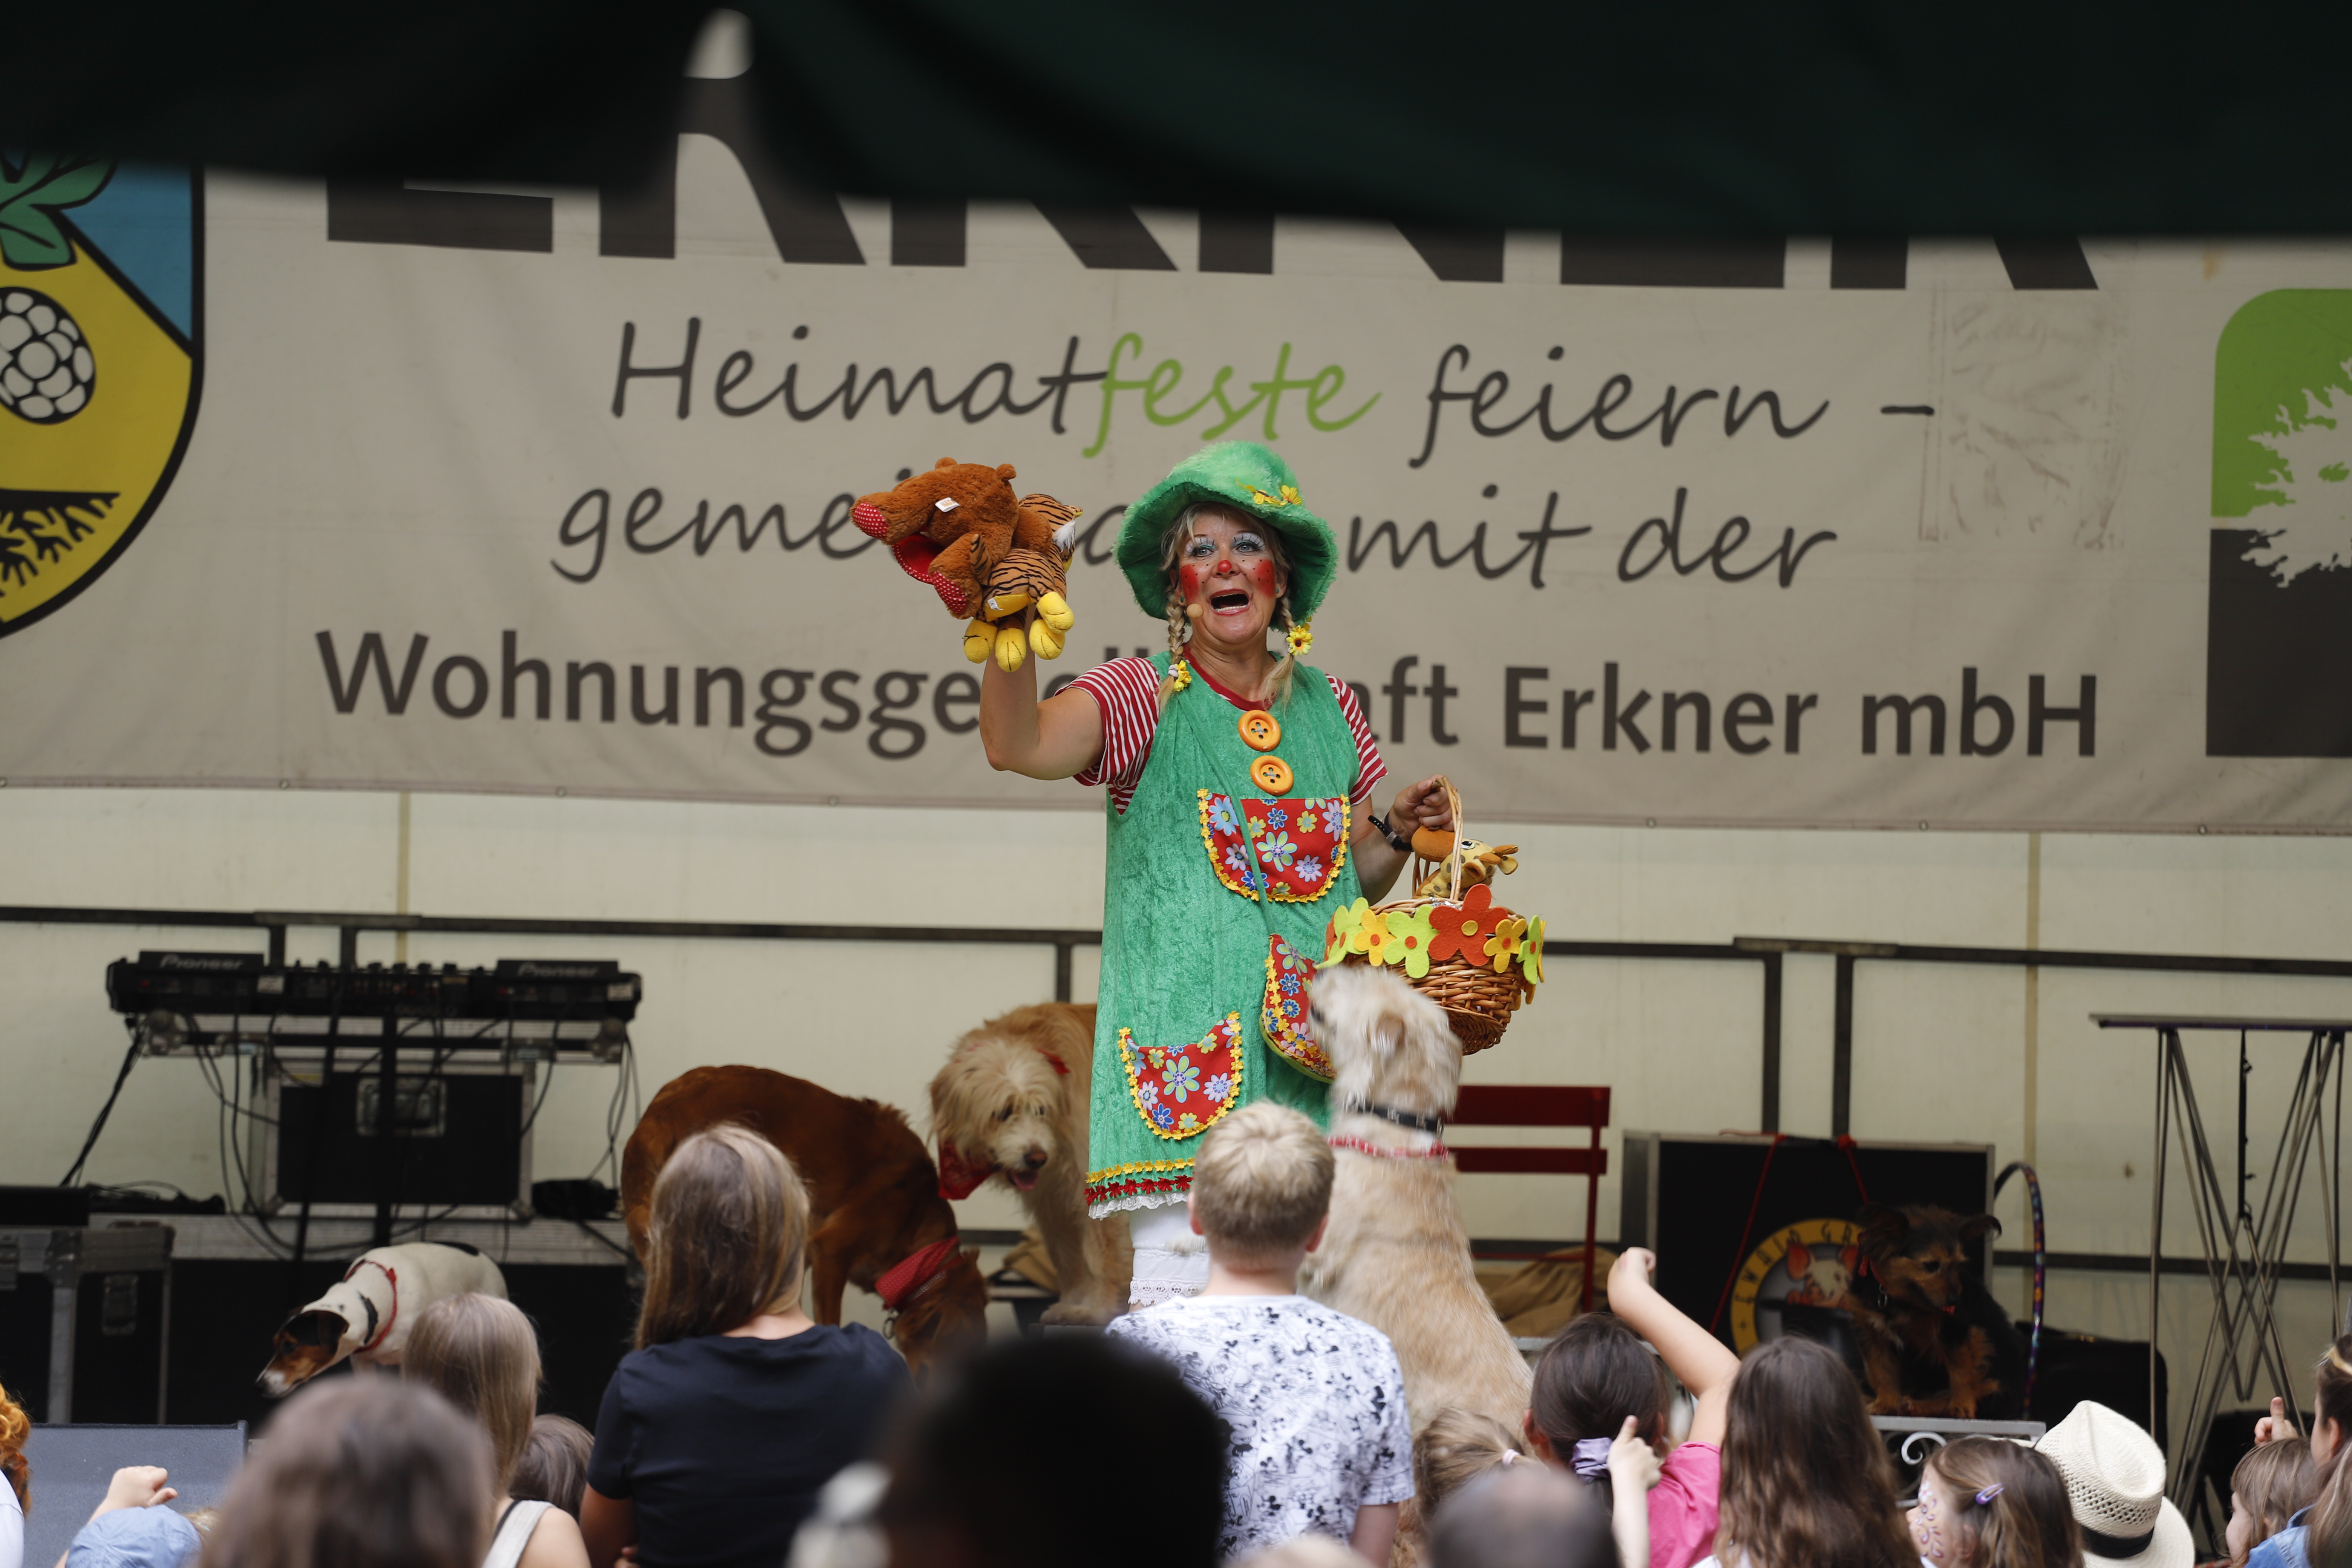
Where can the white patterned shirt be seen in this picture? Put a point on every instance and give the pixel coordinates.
(1314, 1401)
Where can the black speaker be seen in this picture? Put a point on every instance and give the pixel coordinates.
(459, 1140)
(1750, 1232)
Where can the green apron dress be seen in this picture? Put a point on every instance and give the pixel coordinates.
(1213, 910)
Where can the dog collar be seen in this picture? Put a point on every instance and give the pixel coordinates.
(909, 1278)
(376, 1336)
(1342, 1141)
(1413, 1118)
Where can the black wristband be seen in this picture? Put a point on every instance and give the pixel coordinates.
(1401, 845)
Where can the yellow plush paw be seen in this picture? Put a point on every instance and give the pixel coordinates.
(1055, 611)
(1044, 640)
(1012, 648)
(1011, 602)
(978, 639)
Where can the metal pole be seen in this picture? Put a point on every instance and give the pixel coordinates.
(1841, 1052)
(1771, 1120)
(2167, 1043)
(64, 1270)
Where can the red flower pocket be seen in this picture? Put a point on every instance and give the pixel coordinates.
(1289, 1032)
(1292, 849)
(1180, 1090)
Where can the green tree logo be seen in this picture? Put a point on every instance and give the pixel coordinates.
(2282, 429)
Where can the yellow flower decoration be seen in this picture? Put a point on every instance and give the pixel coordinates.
(1342, 926)
(1372, 939)
(1180, 674)
(1505, 946)
(1531, 958)
(1289, 495)
(1302, 638)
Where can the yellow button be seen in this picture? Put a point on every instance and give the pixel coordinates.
(1260, 731)
(1271, 774)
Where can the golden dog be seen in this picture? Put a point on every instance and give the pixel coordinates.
(1396, 1254)
(1010, 1106)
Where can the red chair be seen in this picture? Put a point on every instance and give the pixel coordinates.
(1541, 1105)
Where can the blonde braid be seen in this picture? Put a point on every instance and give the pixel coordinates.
(1179, 673)
(1278, 685)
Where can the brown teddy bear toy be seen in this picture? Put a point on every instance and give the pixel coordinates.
(989, 554)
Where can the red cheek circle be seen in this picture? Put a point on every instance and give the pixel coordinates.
(1262, 574)
(1190, 577)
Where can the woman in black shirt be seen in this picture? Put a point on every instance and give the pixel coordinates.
(719, 1428)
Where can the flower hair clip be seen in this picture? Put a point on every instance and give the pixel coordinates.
(1180, 674)
(1989, 1493)
(1302, 638)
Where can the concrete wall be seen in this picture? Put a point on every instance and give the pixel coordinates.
(1949, 1053)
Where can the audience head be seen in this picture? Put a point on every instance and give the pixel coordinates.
(1524, 1516)
(480, 1353)
(1593, 1375)
(360, 1472)
(2115, 1489)
(2271, 1486)
(1988, 1503)
(1261, 1185)
(1457, 1448)
(15, 1427)
(724, 1236)
(1806, 1480)
(554, 1466)
(2331, 1424)
(982, 1467)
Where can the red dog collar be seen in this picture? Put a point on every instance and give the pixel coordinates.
(381, 1333)
(1434, 1152)
(900, 1285)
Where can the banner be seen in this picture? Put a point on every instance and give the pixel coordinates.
(388, 487)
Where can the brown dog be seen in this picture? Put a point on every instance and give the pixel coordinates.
(876, 1218)
(1011, 1105)
(1933, 1341)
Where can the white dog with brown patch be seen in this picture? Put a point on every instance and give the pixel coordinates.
(1396, 1254)
(365, 1317)
(1010, 1106)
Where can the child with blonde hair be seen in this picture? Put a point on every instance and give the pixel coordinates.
(2274, 1482)
(1314, 1400)
(481, 1354)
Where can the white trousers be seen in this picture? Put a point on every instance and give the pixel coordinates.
(1169, 1260)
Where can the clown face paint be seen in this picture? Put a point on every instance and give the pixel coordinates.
(1227, 569)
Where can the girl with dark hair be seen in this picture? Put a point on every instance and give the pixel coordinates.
(1986, 1504)
(2321, 1533)
(718, 1430)
(1598, 1375)
(1806, 1480)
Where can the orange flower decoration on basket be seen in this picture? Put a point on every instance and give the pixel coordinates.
(1462, 929)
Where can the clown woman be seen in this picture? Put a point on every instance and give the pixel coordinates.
(1239, 784)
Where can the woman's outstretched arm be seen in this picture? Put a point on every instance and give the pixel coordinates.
(1055, 739)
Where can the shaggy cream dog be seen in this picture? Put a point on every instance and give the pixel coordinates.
(1010, 1106)
(1396, 1254)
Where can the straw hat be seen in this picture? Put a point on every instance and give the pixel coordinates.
(2114, 1484)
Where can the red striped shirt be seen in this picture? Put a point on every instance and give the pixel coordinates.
(1127, 690)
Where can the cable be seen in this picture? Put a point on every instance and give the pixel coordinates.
(130, 1060)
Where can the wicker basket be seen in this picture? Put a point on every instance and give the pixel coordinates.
(1477, 1001)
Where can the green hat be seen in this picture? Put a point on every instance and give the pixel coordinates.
(1255, 483)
